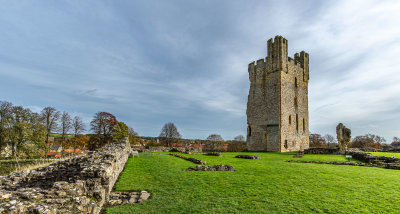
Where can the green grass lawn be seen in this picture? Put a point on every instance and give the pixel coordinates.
(328, 158)
(267, 185)
(68, 136)
(386, 154)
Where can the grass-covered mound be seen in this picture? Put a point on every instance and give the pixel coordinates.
(386, 154)
(266, 185)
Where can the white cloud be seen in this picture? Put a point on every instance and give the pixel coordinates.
(151, 63)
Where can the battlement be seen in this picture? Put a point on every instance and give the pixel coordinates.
(277, 58)
(303, 58)
(294, 63)
(277, 47)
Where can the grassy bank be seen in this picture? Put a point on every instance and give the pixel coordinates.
(9, 166)
(386, 154)
(267, 185)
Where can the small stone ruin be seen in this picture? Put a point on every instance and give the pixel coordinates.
(299, 154)
(343, 137)
(247, 156)
(211, 168)
(214, 154)
(332, 151)
(121, 198)
(194, 160)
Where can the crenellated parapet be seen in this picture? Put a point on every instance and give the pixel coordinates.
(302, 58)
(278, 60)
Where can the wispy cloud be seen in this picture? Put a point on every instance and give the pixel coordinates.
(186, 62)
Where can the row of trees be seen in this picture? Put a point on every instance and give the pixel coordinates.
(28, 132)
(169, 134)
(20, 125)
(55, 121)
(326, 141)
(364, 141)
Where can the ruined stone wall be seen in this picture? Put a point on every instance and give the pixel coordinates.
(277, 107)
(76, 185)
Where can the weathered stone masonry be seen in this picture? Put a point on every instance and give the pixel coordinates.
(77, 185)
(277, 107)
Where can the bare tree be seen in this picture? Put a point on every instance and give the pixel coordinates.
(169, 134)
(50, 118)
(133, 136)
(78, 125)
(379, 139)
(214, 142)
(317, 141)
(215, 137)
(329, 139)
(5, 116)
(396, 142)
(239, 138)
(66, 124)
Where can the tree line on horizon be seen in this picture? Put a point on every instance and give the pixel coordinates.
(170, 137)
(169, 133)
(363, 141)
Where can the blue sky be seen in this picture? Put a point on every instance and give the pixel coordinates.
(152, 62)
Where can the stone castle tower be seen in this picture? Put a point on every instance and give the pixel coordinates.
(277, 106)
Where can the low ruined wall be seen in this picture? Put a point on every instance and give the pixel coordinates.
(321, 151)
(368, 158)
(76, 185)
(194, 160)
(170, 149)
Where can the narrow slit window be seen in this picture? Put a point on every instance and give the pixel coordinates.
(295, 82)
(297, 122)
(249, 131)
(304, 125)
(286, 144)
(290, 119)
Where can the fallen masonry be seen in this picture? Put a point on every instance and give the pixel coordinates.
(368, 158)
(381, 165)
(247, 156)
(211, 168)
(332, 162)
(379, 161)
(214, 154)
(121, 198)
(333, 151)
(77, 185)
(194, 160)
(299, 154)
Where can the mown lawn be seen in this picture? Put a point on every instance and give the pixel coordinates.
(387, 154)
(267, 185)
